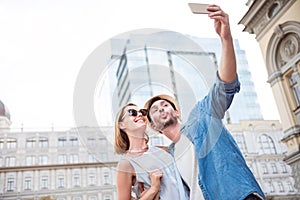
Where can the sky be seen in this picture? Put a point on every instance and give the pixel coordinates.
(44, 43)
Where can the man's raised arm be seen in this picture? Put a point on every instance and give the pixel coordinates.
(227, 67)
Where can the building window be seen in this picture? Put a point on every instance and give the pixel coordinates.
(283, 168)
(103, 157)
(28, 183)
(290, 186)
(240, 140)
(74, 141)
(92, 198)
(92, 179)
(11, 143)
(274, 168)
(74, 158)
(92, 157)
(294, 85)
(62, 142)
(30, 142)
(106, 179)
(30, 160)
(273, 10)
(43, 142)
(10, 184)
(266, 145)
(1, 143)
(280, 186)
(44, 182)
(10, 162)
(76, 180)
(107, 197)
(264, 168)
(91, 142)
(60, 182)
(77, 198)
(43, 160)
(271, 186)
(102, 141)
(62, 159)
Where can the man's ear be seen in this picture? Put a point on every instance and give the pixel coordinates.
(152, 126)
(177, 113)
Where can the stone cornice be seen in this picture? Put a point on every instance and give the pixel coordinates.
(290, 133)
(292, 158)
(274, 78)
(57, 167)
(256, 20)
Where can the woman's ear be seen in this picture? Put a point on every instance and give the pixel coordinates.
(121, 125)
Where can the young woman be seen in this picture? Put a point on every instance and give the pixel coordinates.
(143, 172)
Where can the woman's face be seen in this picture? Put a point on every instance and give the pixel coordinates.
(133, 119)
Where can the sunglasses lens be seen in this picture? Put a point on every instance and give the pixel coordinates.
(132, 112)
(143, 112)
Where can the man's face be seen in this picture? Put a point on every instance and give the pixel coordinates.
(162, 115)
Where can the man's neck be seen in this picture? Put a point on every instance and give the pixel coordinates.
(173, 132)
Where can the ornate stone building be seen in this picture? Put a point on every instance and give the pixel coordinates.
(76, 164)
(259, 142)
(276, 24)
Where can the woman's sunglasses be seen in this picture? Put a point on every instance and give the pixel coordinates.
(133, 112)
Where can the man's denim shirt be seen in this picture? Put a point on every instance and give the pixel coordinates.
(224, 173)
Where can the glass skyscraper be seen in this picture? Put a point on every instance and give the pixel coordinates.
(245, 105)
(147, 64)
(157, 61)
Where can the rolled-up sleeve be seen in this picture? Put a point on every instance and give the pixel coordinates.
(220, 97)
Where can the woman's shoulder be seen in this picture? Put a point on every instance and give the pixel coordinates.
(124, 164)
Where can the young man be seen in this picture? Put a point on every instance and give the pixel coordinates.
(223, 172)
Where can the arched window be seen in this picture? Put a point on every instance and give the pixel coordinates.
(273, 10)
(295, 86)
(266, 145)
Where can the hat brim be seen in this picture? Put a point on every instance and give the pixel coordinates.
(163, 97)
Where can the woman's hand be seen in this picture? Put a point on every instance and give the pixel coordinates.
(153, 191)
(155, 177)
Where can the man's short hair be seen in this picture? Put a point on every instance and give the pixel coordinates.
(165, 97)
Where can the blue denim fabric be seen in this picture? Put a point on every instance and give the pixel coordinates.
(224, 173)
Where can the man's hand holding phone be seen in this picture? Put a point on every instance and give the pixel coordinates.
(199, 8)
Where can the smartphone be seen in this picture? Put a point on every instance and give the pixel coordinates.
(198, 8)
